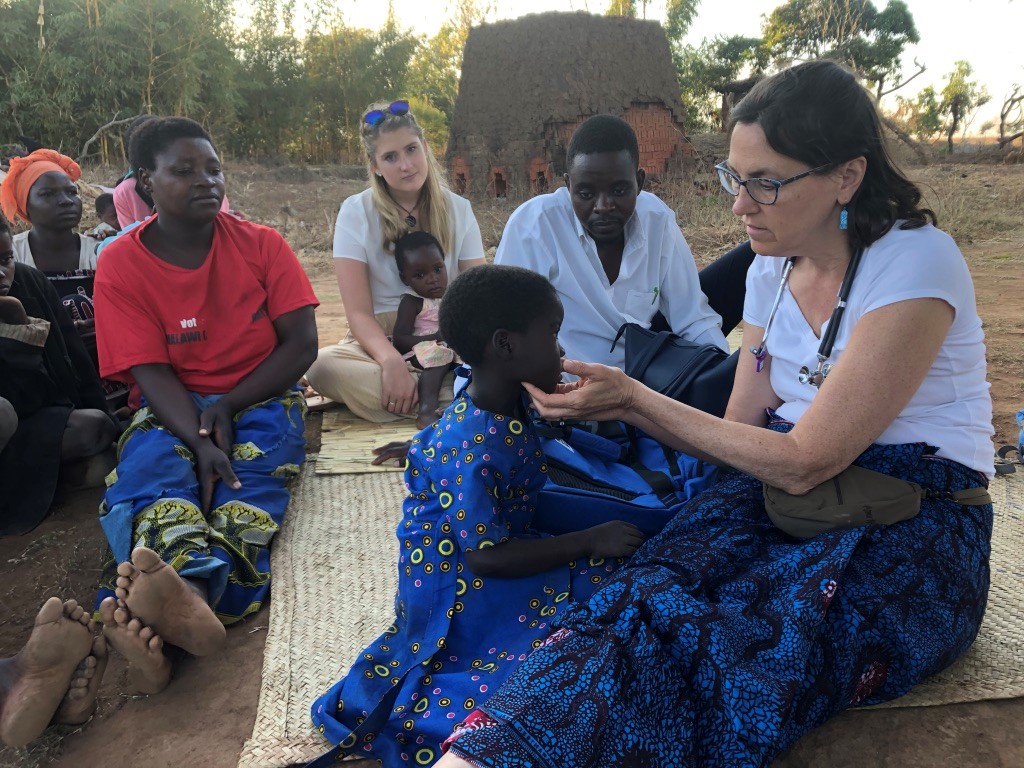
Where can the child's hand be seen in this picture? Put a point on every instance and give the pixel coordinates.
(615, 539)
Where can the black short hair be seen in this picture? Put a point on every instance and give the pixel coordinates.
(492, 296)
(603, 133)
(104, 201)
(153, 136)
(5, 228)
(410, 241)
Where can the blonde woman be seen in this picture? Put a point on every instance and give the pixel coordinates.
(407, 192)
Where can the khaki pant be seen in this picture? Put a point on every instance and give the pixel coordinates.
(346, 373)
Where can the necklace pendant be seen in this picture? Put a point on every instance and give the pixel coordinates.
(410, 220)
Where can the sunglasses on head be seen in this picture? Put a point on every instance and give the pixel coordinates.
(377, 116)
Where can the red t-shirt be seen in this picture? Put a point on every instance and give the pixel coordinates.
(213, 325)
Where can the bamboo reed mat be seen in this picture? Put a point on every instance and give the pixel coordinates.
(347, 442)
(334, 582)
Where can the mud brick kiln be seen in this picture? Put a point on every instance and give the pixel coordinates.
(528, 83)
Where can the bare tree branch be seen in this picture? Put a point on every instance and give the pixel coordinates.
(920, 71)
(102, 129)
(906, 139)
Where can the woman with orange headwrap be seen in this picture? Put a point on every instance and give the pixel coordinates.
(41, 190)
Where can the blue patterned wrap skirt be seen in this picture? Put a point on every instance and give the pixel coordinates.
(152, 500)
(724, 640)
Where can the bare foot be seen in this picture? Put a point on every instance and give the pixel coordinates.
(427, 415)
(148, 669)
(80, 700)
(43, 669)
(157, 596)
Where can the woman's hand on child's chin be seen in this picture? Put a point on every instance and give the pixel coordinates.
(601, 392)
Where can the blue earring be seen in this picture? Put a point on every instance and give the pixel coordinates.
(844, 219)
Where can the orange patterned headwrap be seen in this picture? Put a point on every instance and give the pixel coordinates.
(24, 172)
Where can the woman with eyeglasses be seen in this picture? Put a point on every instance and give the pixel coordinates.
(407, 192)
(726, 638)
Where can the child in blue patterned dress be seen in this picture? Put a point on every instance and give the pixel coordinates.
(477, 587)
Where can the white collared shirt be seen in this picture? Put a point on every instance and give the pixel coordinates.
(657, 273)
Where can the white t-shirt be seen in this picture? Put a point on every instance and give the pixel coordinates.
(952, 409)
(657, 273)
(357, 236)
(87, 257)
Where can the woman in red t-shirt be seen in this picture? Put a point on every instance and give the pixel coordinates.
(210, 320)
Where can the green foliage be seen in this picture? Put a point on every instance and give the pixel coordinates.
(961, 97)
(123, 58)
(679, 17)
(434, 123)
(852, 31)
(705, 68)
(922, 115)
(625, 8)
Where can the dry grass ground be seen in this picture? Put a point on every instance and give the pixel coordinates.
(208, 711)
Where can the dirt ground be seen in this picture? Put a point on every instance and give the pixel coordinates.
(208, 711)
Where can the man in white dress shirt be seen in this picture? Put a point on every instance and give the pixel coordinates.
(613, 252)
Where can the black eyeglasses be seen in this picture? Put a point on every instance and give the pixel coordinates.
(762, 191)
(377, 116)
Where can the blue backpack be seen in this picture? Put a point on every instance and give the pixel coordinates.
(599, 472)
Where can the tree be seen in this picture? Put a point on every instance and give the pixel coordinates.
(1011, 117)
(625, 8)
(851, 31)
(271, 90)
(679, 17)
(921, 116)
(436, 65)
(705, 70)
(961, 98)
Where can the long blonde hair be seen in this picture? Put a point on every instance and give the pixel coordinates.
(435, 215)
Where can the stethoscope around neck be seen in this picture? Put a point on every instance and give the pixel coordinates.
(828, 339)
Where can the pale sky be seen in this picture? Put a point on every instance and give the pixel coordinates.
(987, 33)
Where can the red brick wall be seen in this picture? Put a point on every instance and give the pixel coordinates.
(659, 138)
(460, 176)
(539, 174)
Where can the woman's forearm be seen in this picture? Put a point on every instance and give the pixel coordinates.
(291, 358)
(773, 456)
(170, 401)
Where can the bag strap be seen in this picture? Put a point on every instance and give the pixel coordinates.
(969, 497)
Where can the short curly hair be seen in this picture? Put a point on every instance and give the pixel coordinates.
(487, 298)
(5, 228)
(603, 133)
(153, 136)
(412, 241)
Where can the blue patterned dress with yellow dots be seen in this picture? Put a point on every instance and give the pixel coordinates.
(473, 478)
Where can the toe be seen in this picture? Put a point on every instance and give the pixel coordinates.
(122, 594)
(156, 643)
(134, 625)
(124, 582)
(146, 560)
(75, 612)
(126, 569)
(146, 632)
(51, 611)
(99, 649)
(107, 608)
(122, 617)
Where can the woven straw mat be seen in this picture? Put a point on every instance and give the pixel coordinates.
(334, 583)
